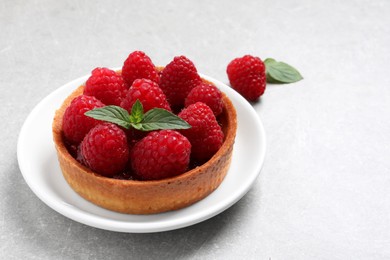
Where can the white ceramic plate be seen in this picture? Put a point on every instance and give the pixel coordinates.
(38, 163)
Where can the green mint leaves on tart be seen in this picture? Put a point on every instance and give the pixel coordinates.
(137, 112)
(154, 119)
(279, 72)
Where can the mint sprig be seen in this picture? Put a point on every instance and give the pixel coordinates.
(159, 118)
(154, 119)
(112, 114)
(279, 72)
(137, 112)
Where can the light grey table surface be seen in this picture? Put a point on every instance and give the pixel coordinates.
(324, 190)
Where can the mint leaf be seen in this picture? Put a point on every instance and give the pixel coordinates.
(137, 112)
(112, 114)
(280, 72)
(154, 119)
(159, 118)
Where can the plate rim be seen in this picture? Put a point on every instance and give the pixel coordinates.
(87, 218)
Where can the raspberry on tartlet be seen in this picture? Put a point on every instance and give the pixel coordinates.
(138, 65)
(75, 124)
(178, 78)
(106, 85)
(105, 149)
(208, 94)
(205, 134)
(160, 154)
(148, 93)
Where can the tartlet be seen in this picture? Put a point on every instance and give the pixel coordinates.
(152, 196)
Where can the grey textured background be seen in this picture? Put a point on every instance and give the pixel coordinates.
(324, 191)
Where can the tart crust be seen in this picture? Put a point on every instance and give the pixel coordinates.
(147, 197)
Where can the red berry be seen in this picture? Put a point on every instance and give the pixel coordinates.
(205, 134)
(247, 76)
(148, 93)
(139, 66)
(105, 149)
(106, 85)
(161, 154)
(208, 94)
(74, 123)
(177, 80)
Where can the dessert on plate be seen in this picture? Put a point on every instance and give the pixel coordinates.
(145, 139)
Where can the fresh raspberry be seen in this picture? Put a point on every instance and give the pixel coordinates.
(148, 93)
(139, 66)
(74, 123)
(208, 94)
(161, 154)
(205, 134)
(105, 149)
(106, 85)
(247, 76)
(177, 80)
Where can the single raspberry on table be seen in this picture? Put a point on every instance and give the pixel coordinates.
(148, 93)
(161, 154)
(247, 76)
(105, 150)
(178, 78)
(75, 124)
(208, 94)
(139, 66)
(205, 134)
(106, 85)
